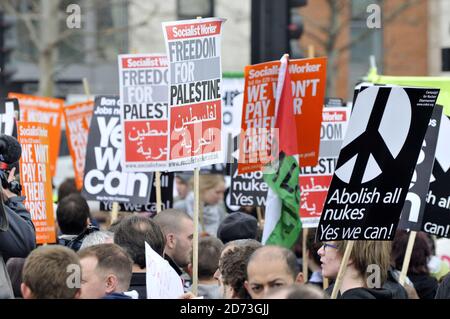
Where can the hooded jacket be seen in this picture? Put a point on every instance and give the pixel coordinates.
(17, 240)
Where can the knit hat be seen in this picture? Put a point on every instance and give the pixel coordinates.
(237, 226)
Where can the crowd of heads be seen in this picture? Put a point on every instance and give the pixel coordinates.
(232, 263)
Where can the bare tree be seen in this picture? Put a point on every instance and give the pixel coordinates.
(327, 34)
(43, 20)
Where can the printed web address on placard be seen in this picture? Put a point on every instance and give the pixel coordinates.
(194, 160)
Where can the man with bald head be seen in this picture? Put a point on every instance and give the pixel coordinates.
(178, 230)
(271, 267)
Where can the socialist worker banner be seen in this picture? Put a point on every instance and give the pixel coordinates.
(258, 118)
(36, 179)
(308, 79)
(43, 110)
(78, 119)
(195, 109)
(143, 95)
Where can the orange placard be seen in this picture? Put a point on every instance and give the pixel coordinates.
(258, 116)
(36, 179)
(78, 120)
(308, 78)
(43, 110)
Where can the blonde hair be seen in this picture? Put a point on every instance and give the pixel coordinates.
(369, 252)
(207, 182)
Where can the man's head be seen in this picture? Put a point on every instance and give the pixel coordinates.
(178, 229)
(231, 273)
(132, 233)
(50, 273)
(66, 188)
(96, 238)
(209, 249)
(73, 214)
(280, 269)
(106, 268)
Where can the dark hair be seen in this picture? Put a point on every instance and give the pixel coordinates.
(72, 213)
(111, 257)
(233, 265)
(132, 233)
(313, 246)
(66, 188)
(420, 254)
(46, 272)
(209, 249)
(15, 267)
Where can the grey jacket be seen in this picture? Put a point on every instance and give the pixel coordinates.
(17, 241)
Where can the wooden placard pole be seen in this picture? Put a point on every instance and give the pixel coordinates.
(342, 269)
(260, 218)
(195, 241)
(87, 91)
(305, 254)
(325, 283)
(158, 192)
(407, 259)
(305, 230)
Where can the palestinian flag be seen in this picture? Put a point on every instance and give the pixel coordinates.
(282, 222)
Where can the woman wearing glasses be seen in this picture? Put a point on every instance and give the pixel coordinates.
(366, 271)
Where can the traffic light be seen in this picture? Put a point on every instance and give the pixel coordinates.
(295, 27)
(275, 26)
(6, 72)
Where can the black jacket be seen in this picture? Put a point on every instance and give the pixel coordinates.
(139, 283)
(18, 240)
(363, 293)
(443, 291)
(425, 285)
(366, 293)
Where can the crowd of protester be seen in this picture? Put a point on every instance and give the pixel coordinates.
(107, 260)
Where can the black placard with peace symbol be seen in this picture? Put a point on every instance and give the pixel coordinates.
(376, 163)
(414, 207)
(436, 218)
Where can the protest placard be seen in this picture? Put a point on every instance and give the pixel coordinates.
(162, 280)
(36, 179)
(308, 77)
(415, 202)
(195, 106)
(78, 119)
(376, 163)
(104, 179)
(231, 115)
(9, 114)
(43, 110)
(143, 96)
(314, 181)
(150, 207)
(258, 118)
(436, 218)
(247, 189)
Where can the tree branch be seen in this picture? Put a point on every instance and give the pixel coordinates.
(315, 24)
(9, 8)
(394, 14)
(315, 37)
